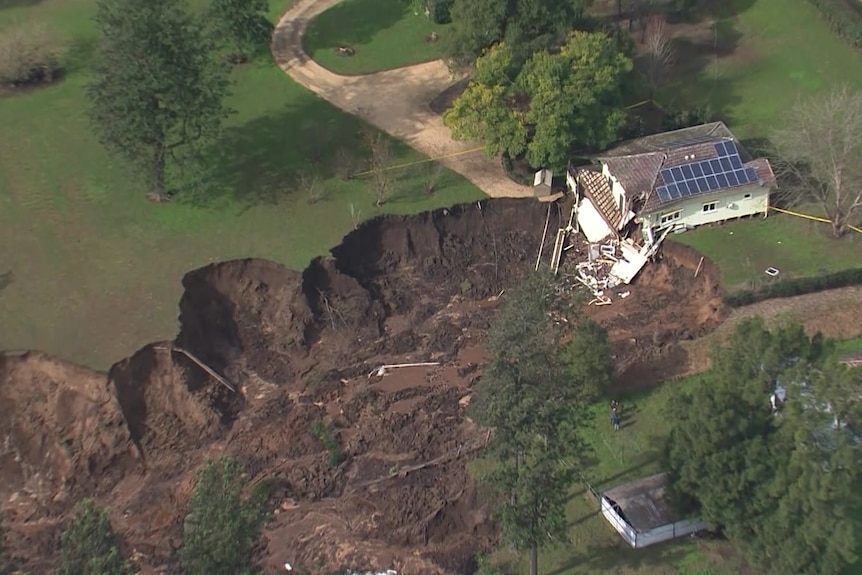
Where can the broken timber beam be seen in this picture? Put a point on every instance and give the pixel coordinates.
(201, 365)
(544, 233)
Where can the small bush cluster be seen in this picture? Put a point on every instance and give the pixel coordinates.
(324, 434)
(29, 54)
(844, 20)
(794, 287)
(89, 545)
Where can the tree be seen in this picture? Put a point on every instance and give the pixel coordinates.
(89, 546)
(658, 52)
(380, 159)
(158, 92)
(781, 486)
(242, 25)
(525, 25)
(535, 406)
(818, 154)
(220, 525)
(553, 103)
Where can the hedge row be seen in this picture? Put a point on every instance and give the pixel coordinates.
(794, 287)
(844, 20)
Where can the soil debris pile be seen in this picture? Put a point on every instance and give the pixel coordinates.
(369, 471)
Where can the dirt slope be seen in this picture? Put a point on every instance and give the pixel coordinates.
(299, 348)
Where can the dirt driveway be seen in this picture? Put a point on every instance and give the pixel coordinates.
(396, 101)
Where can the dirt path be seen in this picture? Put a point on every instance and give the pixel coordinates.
(396, 101)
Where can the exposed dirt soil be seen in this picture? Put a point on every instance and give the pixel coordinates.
(299, 348)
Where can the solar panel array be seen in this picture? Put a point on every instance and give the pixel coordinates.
(703, 176)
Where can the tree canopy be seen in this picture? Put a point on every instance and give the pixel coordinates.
(221, 525)
(241, 26)
(551, 104)
(89, 546)
(158, 91)
(535, 399)
(818, 155)
(782, 486)
(525, 25)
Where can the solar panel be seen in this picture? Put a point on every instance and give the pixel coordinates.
(704, 176)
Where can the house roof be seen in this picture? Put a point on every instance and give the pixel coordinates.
(598, 190)
(643, 502)
(638, 164)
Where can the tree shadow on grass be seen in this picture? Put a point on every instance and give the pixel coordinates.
(258, 162)
(18, 3)
(5, 279)
(352, 22)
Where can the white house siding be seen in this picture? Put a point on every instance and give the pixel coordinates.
(593, 225)
(730, 204)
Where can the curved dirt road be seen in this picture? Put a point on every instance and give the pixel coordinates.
(396, 101)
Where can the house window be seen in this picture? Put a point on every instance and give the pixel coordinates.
(710, 207)
(746, 197)
(667, 218)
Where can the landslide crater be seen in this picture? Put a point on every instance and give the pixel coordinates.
(298, 349)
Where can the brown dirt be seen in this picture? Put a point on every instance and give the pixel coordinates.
(300, 348)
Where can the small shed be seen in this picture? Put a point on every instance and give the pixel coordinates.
(639, 512)
(542, 183)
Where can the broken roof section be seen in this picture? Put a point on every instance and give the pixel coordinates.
(670, 166)
(598, 190)
(643, 503)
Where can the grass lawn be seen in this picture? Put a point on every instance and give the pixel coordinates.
(95, 269)
(385, 34)
(780, 50)
(797, 247)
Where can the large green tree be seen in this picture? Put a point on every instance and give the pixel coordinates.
(556, 101)
(158, 93)
(89, 546)
(783, 486)
(526, 25)
(535, 400)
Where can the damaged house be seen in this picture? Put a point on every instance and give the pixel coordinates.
(669, 181)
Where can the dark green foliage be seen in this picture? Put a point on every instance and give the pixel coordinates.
(158, 91)
(440, 11)
(89, 547)
(535, 402)
(782, 487)
(678, 118)
(241, 26)
(794, 287)
(5, 564)
(221, 526)
(324, 433)
(525, 25)
(843, 17)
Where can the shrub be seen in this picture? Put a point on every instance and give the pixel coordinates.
(440, 11)
(844, 19)
(29, 54)
(794, 287)
(89, 546)
(324, 434)
(678, 118)
(221, 526)
(5, 566)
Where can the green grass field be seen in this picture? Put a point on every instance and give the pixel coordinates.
(780, 51)
(95, 270)
(385, 34)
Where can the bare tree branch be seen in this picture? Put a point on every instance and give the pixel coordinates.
(818, 155)
(380, 151)
(659, 51)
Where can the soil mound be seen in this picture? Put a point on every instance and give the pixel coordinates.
(297, 354)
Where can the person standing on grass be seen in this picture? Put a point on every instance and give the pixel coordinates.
(615, 419)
